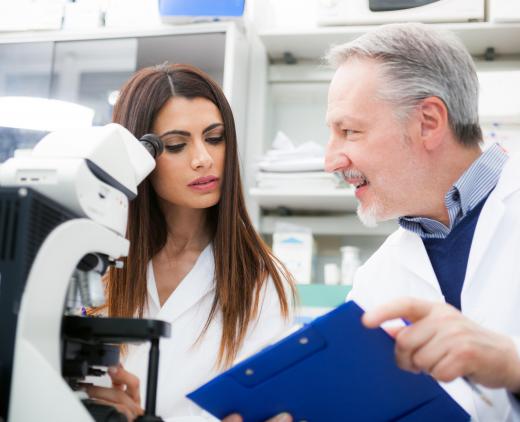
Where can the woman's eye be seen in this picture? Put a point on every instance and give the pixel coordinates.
(215, 139)
(174, 148)
(349, 132)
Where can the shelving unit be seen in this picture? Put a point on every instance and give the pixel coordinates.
(332, 200)
(312, 43)
(340, 224)
(290, 93)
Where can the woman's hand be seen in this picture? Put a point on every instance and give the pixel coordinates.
(124, 394)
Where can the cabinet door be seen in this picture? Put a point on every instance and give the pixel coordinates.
(91, 72)
(206, 51)
(25, 69)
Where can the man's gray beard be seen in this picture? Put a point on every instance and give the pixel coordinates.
(369, 216)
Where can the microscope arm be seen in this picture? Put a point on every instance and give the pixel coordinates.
(38, 355)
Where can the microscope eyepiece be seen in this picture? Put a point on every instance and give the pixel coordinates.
(153, 144)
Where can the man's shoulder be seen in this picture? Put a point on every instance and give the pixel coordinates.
(394, 240)
(385, 255)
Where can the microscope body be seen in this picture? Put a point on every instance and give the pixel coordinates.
(61, 206)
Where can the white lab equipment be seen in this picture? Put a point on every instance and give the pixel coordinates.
(360, 12)
(503, 11)
(349, 264)
(63, 213)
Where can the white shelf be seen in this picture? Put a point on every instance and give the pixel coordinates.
(332, 225)
(107, 33)
(313, 43)
(332, 200)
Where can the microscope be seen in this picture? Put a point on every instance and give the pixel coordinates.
(63, 217)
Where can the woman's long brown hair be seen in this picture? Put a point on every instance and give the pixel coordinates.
(243, 262)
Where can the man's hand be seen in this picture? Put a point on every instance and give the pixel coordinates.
(124, 394)
(442, 342)
(282, 417)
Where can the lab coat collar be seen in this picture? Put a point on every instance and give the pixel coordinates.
(195, 285)
(412, 255)
(509, 181)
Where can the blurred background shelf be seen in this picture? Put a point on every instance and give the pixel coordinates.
(334, 225)
(312, 43)
(333, 200)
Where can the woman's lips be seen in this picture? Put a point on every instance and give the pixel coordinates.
(204, 183)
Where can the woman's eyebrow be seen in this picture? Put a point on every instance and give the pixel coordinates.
(175, 132)
(211, 127)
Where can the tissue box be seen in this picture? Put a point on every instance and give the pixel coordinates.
(295, 250)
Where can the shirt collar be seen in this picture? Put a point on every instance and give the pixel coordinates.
(472, 187)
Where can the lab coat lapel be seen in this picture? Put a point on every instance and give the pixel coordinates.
(413, 257)
(491, 215)
(489, 219)
(197, 283)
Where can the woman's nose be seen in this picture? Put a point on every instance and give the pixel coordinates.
(201, 157)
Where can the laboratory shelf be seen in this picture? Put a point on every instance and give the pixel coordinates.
(325, 200)
(313, 43)
(115, 32)
(332, 225)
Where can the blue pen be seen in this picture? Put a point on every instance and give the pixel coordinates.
(468, 382)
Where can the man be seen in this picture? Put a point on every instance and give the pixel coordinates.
(403, 116)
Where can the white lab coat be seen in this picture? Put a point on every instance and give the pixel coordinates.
(491, 291)
(185, 364)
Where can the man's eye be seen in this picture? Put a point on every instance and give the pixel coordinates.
(215, 139)
(349, 132)
(174, 148)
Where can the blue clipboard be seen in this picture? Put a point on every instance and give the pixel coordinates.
(333, 369)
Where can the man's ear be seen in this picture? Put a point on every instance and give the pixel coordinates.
(433, 116)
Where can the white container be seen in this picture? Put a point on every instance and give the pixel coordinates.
(295, 250)
(349, 264)
(331, 273)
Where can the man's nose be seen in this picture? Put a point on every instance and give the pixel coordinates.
(335, 159)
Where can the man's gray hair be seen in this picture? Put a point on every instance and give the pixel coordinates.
(418, 61)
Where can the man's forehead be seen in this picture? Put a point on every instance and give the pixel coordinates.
(353, 91)
(353, 77)
(342, 115)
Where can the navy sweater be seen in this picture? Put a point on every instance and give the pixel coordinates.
(449, 256)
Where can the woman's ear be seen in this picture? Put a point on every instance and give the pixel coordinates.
(433, 116)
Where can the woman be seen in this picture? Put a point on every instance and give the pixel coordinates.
(195, 259)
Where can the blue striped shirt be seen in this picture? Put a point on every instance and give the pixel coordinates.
(472, 187)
